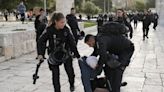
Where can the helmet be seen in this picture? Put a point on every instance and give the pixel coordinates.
(58, 57)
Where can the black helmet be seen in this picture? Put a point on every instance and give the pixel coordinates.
(58, 57)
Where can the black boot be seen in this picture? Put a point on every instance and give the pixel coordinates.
(72, 88)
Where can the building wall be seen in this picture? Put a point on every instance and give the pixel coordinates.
(64, 6)
(159, 9)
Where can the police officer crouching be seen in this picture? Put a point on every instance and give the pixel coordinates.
(61, 42)
(115, 52)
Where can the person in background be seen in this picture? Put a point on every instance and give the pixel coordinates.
(22, 9)
(146, 21)
(73, 23)
(100, 22)
(6, 14)
(80, 17)
(155, 20)
(135, 19)
(40, 25)
(123, 19)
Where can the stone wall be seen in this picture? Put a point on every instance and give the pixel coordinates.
(14, 44)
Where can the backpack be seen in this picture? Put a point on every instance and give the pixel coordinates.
(113, 28)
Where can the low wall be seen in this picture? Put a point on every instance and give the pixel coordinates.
(14, 44)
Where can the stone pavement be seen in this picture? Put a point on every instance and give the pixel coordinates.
(145, 73)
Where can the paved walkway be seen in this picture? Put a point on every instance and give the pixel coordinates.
(145, 73)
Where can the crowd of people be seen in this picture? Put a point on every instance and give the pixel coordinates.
(112, 46)
(147, 18)
(112, 53)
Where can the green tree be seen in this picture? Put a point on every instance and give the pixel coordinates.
(108, 4)
(140, 6)
(150, 4)
(90, 8)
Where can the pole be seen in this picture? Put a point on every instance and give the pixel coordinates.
(108, 6)
(45, 6)
(104, 6)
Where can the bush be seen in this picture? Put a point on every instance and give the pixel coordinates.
(90, 8)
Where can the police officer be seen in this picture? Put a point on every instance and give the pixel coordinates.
(113, 44)
(40, 25)
(123, 19)
(61, 42)
(135, 19)
(155, 20)
(73, 23)
(147, 19)
(100, 22)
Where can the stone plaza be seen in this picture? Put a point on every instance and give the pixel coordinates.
(145, 73)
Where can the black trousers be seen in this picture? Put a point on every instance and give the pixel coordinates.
(135, 24)
(115, 75)
(115, 78)
(6, 17)
(155, 24)
(145, 31)
(56, 74)
(23, 17)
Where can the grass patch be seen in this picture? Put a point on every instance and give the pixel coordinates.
(89, 24)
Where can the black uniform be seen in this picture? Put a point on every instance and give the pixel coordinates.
(100, 22)
(63, 36)
(135, 18)
(147, 19)
(73, 23)
(155, 20)
(40, 27)
(117, 45)
(124, 21)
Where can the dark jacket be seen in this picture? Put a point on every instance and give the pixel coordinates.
(40, 25)
(135, 18)
(63, 36)
(147, 19)
(126, 23)
(114, 44)
(72, 22)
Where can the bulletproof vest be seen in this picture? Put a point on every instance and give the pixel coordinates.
(113, 28)
(59, 54)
